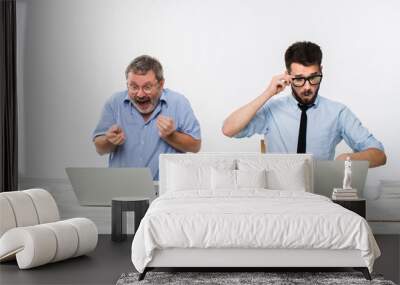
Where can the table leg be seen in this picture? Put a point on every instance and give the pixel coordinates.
(118, 222)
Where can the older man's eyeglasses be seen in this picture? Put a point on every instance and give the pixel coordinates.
(313, 80)
(147, 89)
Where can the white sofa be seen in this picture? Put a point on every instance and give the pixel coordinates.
(31, 231)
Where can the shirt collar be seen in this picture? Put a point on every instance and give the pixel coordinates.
(126, 98)
(294, 102)
(164, 97)
(316, 102)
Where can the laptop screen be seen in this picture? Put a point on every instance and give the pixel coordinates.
(98, 186)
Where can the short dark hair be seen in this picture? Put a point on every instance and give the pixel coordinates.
(305, 53)
(143, 64)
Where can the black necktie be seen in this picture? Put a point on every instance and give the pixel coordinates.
(301, 143)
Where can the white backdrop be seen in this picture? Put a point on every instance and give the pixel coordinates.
(220, 54)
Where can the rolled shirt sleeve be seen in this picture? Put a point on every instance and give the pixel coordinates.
(355, 134)
(107, 119)
(187, 122)
(257, 125)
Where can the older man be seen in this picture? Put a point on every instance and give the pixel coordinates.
(144, 120)
(304, 121)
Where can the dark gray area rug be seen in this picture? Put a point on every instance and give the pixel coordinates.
(229, 278)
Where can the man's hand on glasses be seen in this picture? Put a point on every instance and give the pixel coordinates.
(279, 82)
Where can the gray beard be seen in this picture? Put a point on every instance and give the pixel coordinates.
(154, 103)
(146, 112)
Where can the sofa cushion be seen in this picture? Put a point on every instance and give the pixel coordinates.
(23, 208)
(7, 215)
(45, 205)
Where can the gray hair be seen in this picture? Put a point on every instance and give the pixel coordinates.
(143, 64)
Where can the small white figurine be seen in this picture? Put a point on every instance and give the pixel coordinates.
(347, 174)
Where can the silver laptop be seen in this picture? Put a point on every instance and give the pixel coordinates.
(329, 175)
(97, 186)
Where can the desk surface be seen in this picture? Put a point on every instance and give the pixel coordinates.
(132, 198)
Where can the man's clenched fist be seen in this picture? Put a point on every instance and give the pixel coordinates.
(166, 126)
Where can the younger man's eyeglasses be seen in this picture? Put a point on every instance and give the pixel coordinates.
(313, 80)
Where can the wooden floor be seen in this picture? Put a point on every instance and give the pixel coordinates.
(111, 259)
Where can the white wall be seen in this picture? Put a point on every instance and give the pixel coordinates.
(220, 54)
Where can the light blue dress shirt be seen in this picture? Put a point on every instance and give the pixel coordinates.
(328, 122)
(143, 144)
